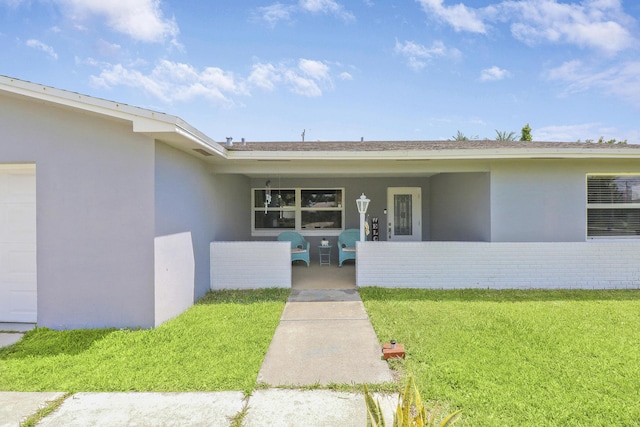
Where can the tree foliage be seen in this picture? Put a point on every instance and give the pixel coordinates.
(504, 136)
(601, 140)
(462, 137)
(526, 133)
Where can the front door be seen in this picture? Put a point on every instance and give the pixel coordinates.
(404, 214)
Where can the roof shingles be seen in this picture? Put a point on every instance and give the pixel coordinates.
(346, 146)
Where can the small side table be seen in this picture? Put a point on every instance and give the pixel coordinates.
(325, 254)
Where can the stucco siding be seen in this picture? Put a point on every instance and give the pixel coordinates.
(191, 198)
(539, 200)
(94, 207)
(460, 207)
(497, 265)
(544, 200)
(174, 275)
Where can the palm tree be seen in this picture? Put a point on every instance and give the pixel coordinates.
(504, 136)
(459, 137)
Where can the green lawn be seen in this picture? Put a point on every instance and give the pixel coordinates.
(519, 358)
(218, 344)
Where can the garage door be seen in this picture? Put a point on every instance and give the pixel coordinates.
(18, 299)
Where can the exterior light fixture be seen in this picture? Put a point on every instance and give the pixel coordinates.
(363, 205)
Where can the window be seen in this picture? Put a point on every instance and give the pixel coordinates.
(309, 211)
(613, 206)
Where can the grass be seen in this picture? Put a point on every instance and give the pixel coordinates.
(41, 413)
(525, 358)
(218, 344)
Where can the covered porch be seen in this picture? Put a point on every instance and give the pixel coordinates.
(496, 217)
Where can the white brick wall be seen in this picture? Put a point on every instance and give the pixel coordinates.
(250, 265)
(446, 265)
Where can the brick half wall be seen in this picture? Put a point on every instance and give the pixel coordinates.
(250, 265)
(499, 265)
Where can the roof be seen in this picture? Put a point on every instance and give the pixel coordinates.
(382, 146)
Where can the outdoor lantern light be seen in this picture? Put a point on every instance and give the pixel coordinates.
(363, 205)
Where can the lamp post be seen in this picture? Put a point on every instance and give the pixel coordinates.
(363, 205)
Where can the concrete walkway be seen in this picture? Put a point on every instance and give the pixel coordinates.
(324, 337)
(11, 333)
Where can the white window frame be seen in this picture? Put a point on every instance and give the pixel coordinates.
(297, 209)
(607, 206)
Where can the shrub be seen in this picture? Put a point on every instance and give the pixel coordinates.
(410, 412)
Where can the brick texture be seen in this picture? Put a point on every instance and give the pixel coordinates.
(499, 265)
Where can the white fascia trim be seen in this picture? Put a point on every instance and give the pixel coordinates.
(201, 139)
(475, 154)
(79, 101)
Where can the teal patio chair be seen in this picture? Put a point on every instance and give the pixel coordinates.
(300, 248)
(347, 245)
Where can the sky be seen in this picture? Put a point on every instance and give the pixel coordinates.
(343, 70)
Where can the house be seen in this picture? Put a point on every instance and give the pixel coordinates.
(112, 215)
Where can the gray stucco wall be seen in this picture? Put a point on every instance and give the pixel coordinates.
(539, 200)
(95, 224)
(544, 200)
(191, 198)
(460, 207)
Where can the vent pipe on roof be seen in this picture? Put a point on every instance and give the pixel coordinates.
(244, 142)
(229, 141)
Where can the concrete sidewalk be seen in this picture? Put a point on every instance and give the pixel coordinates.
(324, 337)
(272, 407)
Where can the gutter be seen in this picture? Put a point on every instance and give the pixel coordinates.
(404, 155)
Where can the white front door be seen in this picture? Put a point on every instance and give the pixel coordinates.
(18, 300)
(404, 214)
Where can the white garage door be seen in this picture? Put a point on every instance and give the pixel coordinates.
(18, 299)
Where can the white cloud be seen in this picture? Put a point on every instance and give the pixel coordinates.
(417, 55)
(594, 24)
(459, 16)
(264, 76)
(302, 85)
(317, 70)
(173, 81)
(622, 80)
(141, 20)
(274, 13)
(36, 44)
(306, 79)
(345, 76)
(326, 7)
(277, 12)
(494, 73)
